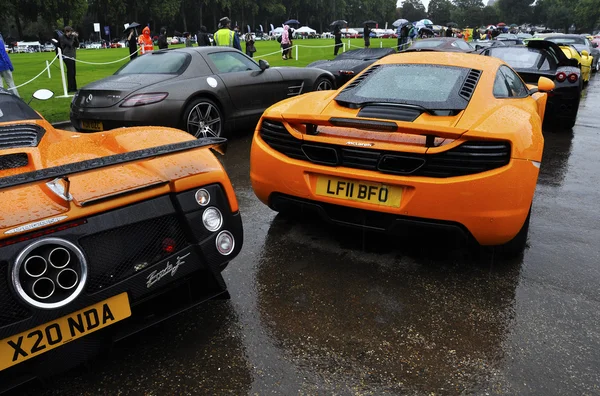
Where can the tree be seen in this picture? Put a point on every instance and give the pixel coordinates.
(489, 15)
(468, 13)
(515, 11)
(587, 13)
(413, 10)
(440, 11)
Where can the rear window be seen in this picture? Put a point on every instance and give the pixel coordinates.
(13, 108)
(566, 40)
(156, 63)
(523, 58)
(428, 44)
(430, 86)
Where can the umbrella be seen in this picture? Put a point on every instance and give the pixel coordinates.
(132, 25)
(451, 24)
(338, 22)
(400, 22)
(501, 24)
(370, 22)
(513, 25)
(292, 22)
(426, 22)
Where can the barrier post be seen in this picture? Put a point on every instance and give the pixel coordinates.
(380, 44)
(62, 75)
(48, 68)
(296, 52)
(343, 47)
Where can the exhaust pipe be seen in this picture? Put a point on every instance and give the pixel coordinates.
(67, 279)
(59, 257)
(43, 288)
(35, 266)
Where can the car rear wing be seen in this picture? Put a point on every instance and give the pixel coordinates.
(553, 48)
(78, 168)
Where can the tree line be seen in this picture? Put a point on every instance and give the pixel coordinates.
(553, 14)
(37, 19)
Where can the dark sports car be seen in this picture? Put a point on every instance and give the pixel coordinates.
(203, 90)
(446, 44)
(348, 64)
(545, 59)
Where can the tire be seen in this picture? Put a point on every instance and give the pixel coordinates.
(203, 118)
(517, 245)
(323, 84)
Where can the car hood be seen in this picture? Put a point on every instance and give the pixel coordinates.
(94, 190)
(113, 89)
(334, 66)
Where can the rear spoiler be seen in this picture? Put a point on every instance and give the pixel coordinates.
(554, 48)
(78, 168)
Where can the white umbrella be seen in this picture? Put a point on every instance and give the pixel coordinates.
(400, 22)
(426, 22)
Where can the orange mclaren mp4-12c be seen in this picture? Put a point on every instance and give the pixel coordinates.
(418, 142)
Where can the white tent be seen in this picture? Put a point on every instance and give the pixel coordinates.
(349, 31)
(305, 29)
(276, 31)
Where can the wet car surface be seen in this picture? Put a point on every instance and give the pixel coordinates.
(322, 309)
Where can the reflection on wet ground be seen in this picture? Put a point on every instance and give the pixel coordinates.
(317, 309)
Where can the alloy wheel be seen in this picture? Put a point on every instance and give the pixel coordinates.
(324, 85)
(204, 120)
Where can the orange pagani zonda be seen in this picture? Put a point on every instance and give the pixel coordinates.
(419, 141)
(102, 235)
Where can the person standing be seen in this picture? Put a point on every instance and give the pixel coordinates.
(337, 35)
(188, 39)
(250, 48)
(146, 41)
(286, 43)
(367, 35)
(69, 42)
(6, 69)
(202, 37)
(225, 37)
(132, 43)
(449, 32)
(162, 39)
(403, 37)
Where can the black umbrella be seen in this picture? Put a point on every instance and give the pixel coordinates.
(176, 33)
(132, 25)
(451, 24)
(370, 22)
(338, 22)
(292, 22)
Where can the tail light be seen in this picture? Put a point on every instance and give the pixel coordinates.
(144, 99)
(346, 72)
(573, 78)
(560, 77)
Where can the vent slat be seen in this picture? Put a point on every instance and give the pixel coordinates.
(20, 136)
(466, 159)
(470, 84)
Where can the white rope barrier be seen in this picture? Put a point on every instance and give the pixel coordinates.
(99, 63)
(40, 73)
(316, 46)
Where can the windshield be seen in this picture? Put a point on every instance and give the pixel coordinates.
(522, 58)
(433, 87)
(169, 62)
(13, 108)
(566, 40)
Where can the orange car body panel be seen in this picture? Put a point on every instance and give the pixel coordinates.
(143, 179)
(492, 205)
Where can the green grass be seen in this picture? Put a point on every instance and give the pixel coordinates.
(28, 65)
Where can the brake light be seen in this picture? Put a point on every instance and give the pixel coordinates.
(346, 72)
(560, 77)
(144, 99)
(573, 78)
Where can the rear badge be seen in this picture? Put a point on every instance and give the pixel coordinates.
(37, 224)
(359, 144)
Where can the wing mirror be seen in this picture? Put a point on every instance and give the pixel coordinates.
(585, 53)
(594, 45)
(41, 94)
(263, 64)
(545, 84)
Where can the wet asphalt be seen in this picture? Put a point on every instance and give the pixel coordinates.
(317, 309)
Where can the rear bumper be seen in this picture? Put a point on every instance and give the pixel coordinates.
(564, 103)
(165, 113)
(491, 206)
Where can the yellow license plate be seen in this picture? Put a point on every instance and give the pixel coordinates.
(361, 191)
(34, 342)
(92, 125)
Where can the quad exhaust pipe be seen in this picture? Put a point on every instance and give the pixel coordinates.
(35, 266)
(67, 279)
(43, 288)
(59, 257)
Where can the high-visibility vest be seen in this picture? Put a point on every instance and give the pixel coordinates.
(224, 37)
(146, 44)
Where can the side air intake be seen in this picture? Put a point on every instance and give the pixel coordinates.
(469, 85)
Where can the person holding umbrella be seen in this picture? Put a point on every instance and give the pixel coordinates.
(337, 35)
(132, 40)
(367, 33)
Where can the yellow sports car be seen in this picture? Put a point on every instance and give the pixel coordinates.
(585, 60)
(418, 142)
